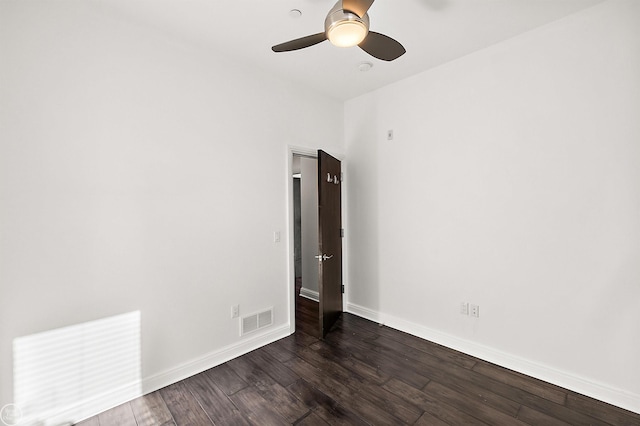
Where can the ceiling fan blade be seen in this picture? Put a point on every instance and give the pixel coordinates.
(300, 43)
(381, 46)
(359, 7)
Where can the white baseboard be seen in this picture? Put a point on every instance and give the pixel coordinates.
(168, 377)
(213, 359)
(310, 294)
(600, 391)
(71, 414)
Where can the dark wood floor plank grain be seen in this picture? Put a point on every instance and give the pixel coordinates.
(226, 379)
(338, 417)
(451, 375)
(214, 401)
(542, 405)
(533, 417)
(307, 318)
(249, 372)
(391, 403)
(602, 410)
(327, 408)
(442, 411)
(434, 349)
(307, 309)
(151, 410)
(469, 405)
(372, 392)
(398, 367)
(350, 329)
(533, 386)
(296, 340)
(456, 380)
(122, 415)
(444, 372)
(256, 408)
(278, 352)
(344, 359)
(523, 397)
(428, 419)
(312, 420)
(285, 403)
(340, 392)
(396, 348)
(329, 367)
(307, 328)
(272, 367)
(183, 406)
(282, 401)
(495, 382)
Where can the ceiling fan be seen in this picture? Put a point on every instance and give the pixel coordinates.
(346, 25)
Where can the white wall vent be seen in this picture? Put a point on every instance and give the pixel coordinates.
(265, 318)
(249, 324)
(256, 321)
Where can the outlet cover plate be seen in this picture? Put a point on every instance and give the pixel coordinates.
(475, 311)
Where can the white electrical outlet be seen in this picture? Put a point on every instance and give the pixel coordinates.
(475, 311)
(235, 311)
(464, 308)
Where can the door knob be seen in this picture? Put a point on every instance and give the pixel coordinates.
(323, 257)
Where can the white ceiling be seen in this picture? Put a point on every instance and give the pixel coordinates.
(432, 31)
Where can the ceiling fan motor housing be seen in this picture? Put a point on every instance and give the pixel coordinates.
(344, 28)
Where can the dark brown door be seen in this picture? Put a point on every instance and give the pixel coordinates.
(330, 240)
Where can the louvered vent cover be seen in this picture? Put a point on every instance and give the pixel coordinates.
(249, 324)
(264, 318)
(256, 321)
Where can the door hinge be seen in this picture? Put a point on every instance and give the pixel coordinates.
(341, 232)
(343, 288)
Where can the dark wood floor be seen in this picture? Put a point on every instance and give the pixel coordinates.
(361, 374)
(307, 319)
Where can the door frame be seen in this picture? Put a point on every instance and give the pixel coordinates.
(308, 152)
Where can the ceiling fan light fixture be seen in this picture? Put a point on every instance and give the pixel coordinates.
(347, 33)
(344, 28)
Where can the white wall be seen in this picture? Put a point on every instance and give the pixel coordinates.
(309, 208)
(131, 180)
(513, 182)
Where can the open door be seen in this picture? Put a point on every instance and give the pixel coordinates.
(330, 240)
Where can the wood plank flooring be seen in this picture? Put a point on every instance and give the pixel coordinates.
(361, 374)
(307, 313)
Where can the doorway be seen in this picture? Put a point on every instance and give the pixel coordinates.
(305, 230)
(316, 243)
